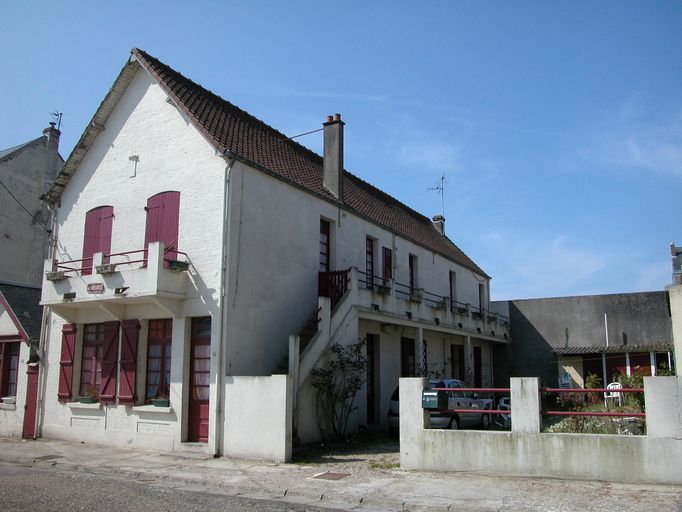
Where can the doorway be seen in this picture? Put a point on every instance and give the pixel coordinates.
(199, 380)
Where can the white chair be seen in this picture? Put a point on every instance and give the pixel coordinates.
(613, 394)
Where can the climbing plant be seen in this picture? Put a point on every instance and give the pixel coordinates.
(336, 385)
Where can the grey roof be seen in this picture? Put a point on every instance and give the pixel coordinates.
(6, 153)
(24, 301)
(617, 349)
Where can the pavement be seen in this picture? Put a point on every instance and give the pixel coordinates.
(352, 477)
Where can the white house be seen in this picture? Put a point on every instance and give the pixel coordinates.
(199, 251)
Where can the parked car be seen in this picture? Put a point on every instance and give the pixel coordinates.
(445, 419)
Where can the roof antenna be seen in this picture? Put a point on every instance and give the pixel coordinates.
(58, 118)
(441, 190)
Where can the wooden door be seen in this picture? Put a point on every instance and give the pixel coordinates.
(199, 380)
(29, 430)
(387, 265)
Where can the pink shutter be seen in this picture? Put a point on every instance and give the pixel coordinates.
(107, 392)
(66, 362)
(97, 237)
(163, 215)
(126, 392)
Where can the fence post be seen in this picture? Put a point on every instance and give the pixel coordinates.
(525, 405)
(413, 421)
(662, 404)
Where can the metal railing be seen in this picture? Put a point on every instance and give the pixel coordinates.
(333, 284)
(476, 390)
(610, 391)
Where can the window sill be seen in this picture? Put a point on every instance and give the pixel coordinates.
(8, 407)
(152, 408)
(78, 405)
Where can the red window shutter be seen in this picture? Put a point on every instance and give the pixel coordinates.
(107, 392)
(163, 217)
(66, 363)
(126, 392)
(97, 238)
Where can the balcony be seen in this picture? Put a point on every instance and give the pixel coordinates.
(110, 282)
(379, 299)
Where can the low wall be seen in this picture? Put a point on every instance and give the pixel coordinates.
(527, 452)
(258, 417)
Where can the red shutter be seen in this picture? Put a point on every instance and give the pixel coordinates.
(163, 216)
(97, 237)
(107, 392)
(126, 392)
(66, 362)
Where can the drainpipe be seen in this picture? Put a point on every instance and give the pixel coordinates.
(223, 308)
(44, 341)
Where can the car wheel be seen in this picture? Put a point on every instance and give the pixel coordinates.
(393, 432)
(485, 421)
(453, 424)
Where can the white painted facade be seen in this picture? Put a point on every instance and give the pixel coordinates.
(266, 234)
(12, 407)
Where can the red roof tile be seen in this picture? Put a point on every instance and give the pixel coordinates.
(231, 129)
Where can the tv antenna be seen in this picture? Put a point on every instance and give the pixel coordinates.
(440, 188)
(57, 118)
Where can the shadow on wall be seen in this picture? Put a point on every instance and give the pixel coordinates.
(528, 355)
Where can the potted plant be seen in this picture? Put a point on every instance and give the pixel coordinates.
(91, 395)
(161, 400)
(178, 266)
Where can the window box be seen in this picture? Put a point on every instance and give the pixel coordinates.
(56, 275)
(87, 399)
(178, 266)
(9, 400)
(107, 268)
(160, 402)
(417, 295)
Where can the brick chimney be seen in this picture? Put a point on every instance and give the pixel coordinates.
(439, 223)
(332, 165)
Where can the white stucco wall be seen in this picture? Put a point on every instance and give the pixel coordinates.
(172, 156)
(258, 417)
(23, 240)
(12, 415)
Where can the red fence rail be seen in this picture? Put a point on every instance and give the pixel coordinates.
(610, 391)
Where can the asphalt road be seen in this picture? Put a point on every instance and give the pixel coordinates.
(34, 489)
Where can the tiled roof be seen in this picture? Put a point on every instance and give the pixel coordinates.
(233, 130)
(24, 301)
(619, 349)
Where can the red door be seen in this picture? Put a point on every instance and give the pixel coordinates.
(199, 380)
(163, 215)
(29, 430)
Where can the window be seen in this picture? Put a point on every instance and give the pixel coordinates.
(91, 366)
(457, 361)
(9, 368)
(453, 291)
(159, 357)
(97, 235)
(387, 257)
(163, 215)
(325, 246)
(369, 262)
(413, 272)
(481, 297)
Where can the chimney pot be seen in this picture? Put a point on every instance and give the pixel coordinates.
(439, 223)
(330, 119)
(337, 117)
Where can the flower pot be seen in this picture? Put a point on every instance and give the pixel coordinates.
(87, 399)
(178, 266)
(160, 402)
(9, 400)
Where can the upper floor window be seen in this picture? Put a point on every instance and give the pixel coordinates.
(163, 216)
(481, 297)
(387, 263)
(97, 235)
(453, 290)
(413, 272)
(369, 261)
(325, 245)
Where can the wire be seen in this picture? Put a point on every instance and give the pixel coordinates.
(23, 207)
(302, 134)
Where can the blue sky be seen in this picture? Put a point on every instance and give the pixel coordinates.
(558, 125)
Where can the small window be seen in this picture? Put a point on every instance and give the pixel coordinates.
(325, 246)
(369, 262)
(453, 290)
(9, 368)
(413, 273)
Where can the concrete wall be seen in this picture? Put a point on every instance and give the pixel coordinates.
(539, 325)
(28, 174)
(258, 417)
(526, 452)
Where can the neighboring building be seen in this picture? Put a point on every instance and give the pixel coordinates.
(20, 321)
(676, 253)
(195, 241)
(26, 172)
(563, 339)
